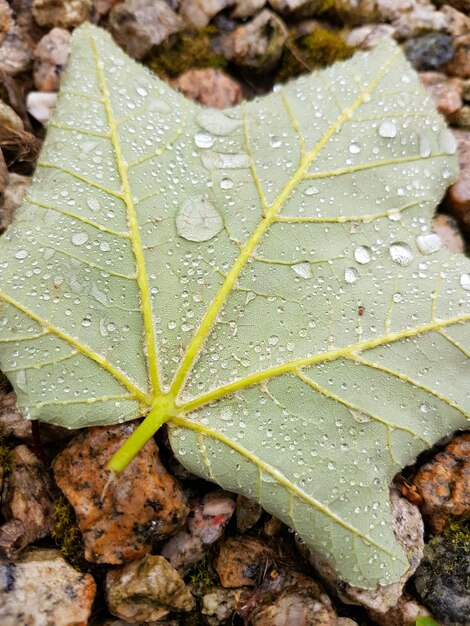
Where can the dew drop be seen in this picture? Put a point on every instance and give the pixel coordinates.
(447, 141)
(203, 140)
(311, 191)
(397, 297)
(387, 129)
(78, 239)
(354, 147)
(275, 142)
(21, 254)
(303, 269)
(363, 255)
(104, 246)
(465, 281)
(401, 253)
(424, 146)
(429, 243)
(351, 275)
(198, 220)
(226, 183)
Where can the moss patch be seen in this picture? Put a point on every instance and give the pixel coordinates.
(202, 576)
(318, 49)
(67, 536)
(187, 51)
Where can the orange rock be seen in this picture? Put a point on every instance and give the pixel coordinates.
(444, 484)
(457, 200)
(241, 561)
(119, 516)
(209, 87)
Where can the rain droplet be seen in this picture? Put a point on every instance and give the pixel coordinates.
(303, 269)
(387, 129)
(226, 183)
(397, 297)
(21, 254)
(424, 146)
(104, 246)
(275, 142)
(363, 255)
(218, 160)
(351, 275)
(198, 220)
(354, 147)
(273, 340)
(203, 140)
(78, 239)
(465, 281)
(311, 191)
(429, 243)
(218, 122)
(401, 253)
(447, 141)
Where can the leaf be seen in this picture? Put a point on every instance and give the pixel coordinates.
(263, 277)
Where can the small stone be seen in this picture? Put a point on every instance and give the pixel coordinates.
(272, 526)
(256, 45)
(42, 589)
(356, 12)
(419, 21)
(61, 13)
(41, 105)
(460, 5)
(408, 529)
(285, 599)
(367, 37)
(297, 8)
(444, 484)
(446, 92)
(346, 621)
(204, 526)
(430, 51)
(458, 24)
(218, 605)
(15, 52)
(210, 87)
(146, 590)
(449, 233)
(247, 8)
(200, 12)
(241, 561)
(457, 200)
(139, 25)
(461, 118)
(51, 55)
(103, 7)
(442, 578)
(404, 613)
(5, 20)
(248, 513)
(466, 90)
(119, 516)
(21, 145)
(28, 497)
(459, 64)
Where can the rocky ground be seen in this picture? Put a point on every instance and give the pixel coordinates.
(165, 547)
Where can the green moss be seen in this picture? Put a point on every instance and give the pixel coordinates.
(318, 49)
(5, 452)
(67, 535)
(426, 621)
(187, 51)
(202, 576)
(326, 5)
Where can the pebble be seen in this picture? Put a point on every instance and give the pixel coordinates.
(460, 5)
(442, 578)
(256, 45)
(247, 8)
(200, 12)
(430, 51)
(50, 58)
(367, 37)
(462, 118)
(139, 25)
(457, 23)
(5, 20)
(446, 92)
(459, 65)
(41, 105)
(404, 613)
(444, 484)
(449, 233)
(61, 13)
(218, 605)
(241, 561)
(210, 87)
(103, 7)
(42, 589)
(408, 528)
(457, 200)
(15, 52)
(146, 590)
(285, 599)
(419, 21)
(28, 498)
(205, 525)
(248, 513)
(296, 8)
(119, 516)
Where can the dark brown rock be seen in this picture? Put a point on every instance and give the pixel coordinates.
(210, 87)
(459, 65)
(447, 229)
(28, 497)
(241, 561)
(120, 516)
(444, 484)
(457, 200)
(15, 52)
(61, 13)
(50, 59)
(146, 590)
(248, 513)
(446, 92)
(5, 20)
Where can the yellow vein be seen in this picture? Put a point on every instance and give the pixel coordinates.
(79, 94)
(278, 476)
(407, 379)
(25, 338)
(81, 131)
(80, 218)
(295, 123)
(454, 343)
(159, 151)
(39, 405)
(368, 166)
(269, 215)
(79, 177)
(38, 366)
(349, 405)
(79, 346)
(142, 280)
(331, 355)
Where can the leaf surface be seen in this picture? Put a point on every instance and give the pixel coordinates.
(263, 277)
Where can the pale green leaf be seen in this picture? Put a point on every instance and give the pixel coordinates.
(263, 277)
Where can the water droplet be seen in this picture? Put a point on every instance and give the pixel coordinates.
(104, 246)
(275, 142)
(363, 255)
(359, 416)
(447, 141)
(93, 203)
(226, 183)
(203, 140)
(218, 160)
(397, 297)
(429, 243)
(21, 254)
(142, 92)
(303, 269)
(354, 147)
(401, 253)
(273, 340)
(86, 321)
(198, 220)
(217, 122)
(387, 129)
(465, 281)
(351, 275)
(424, 146)
(78, 239)
(311, 191)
